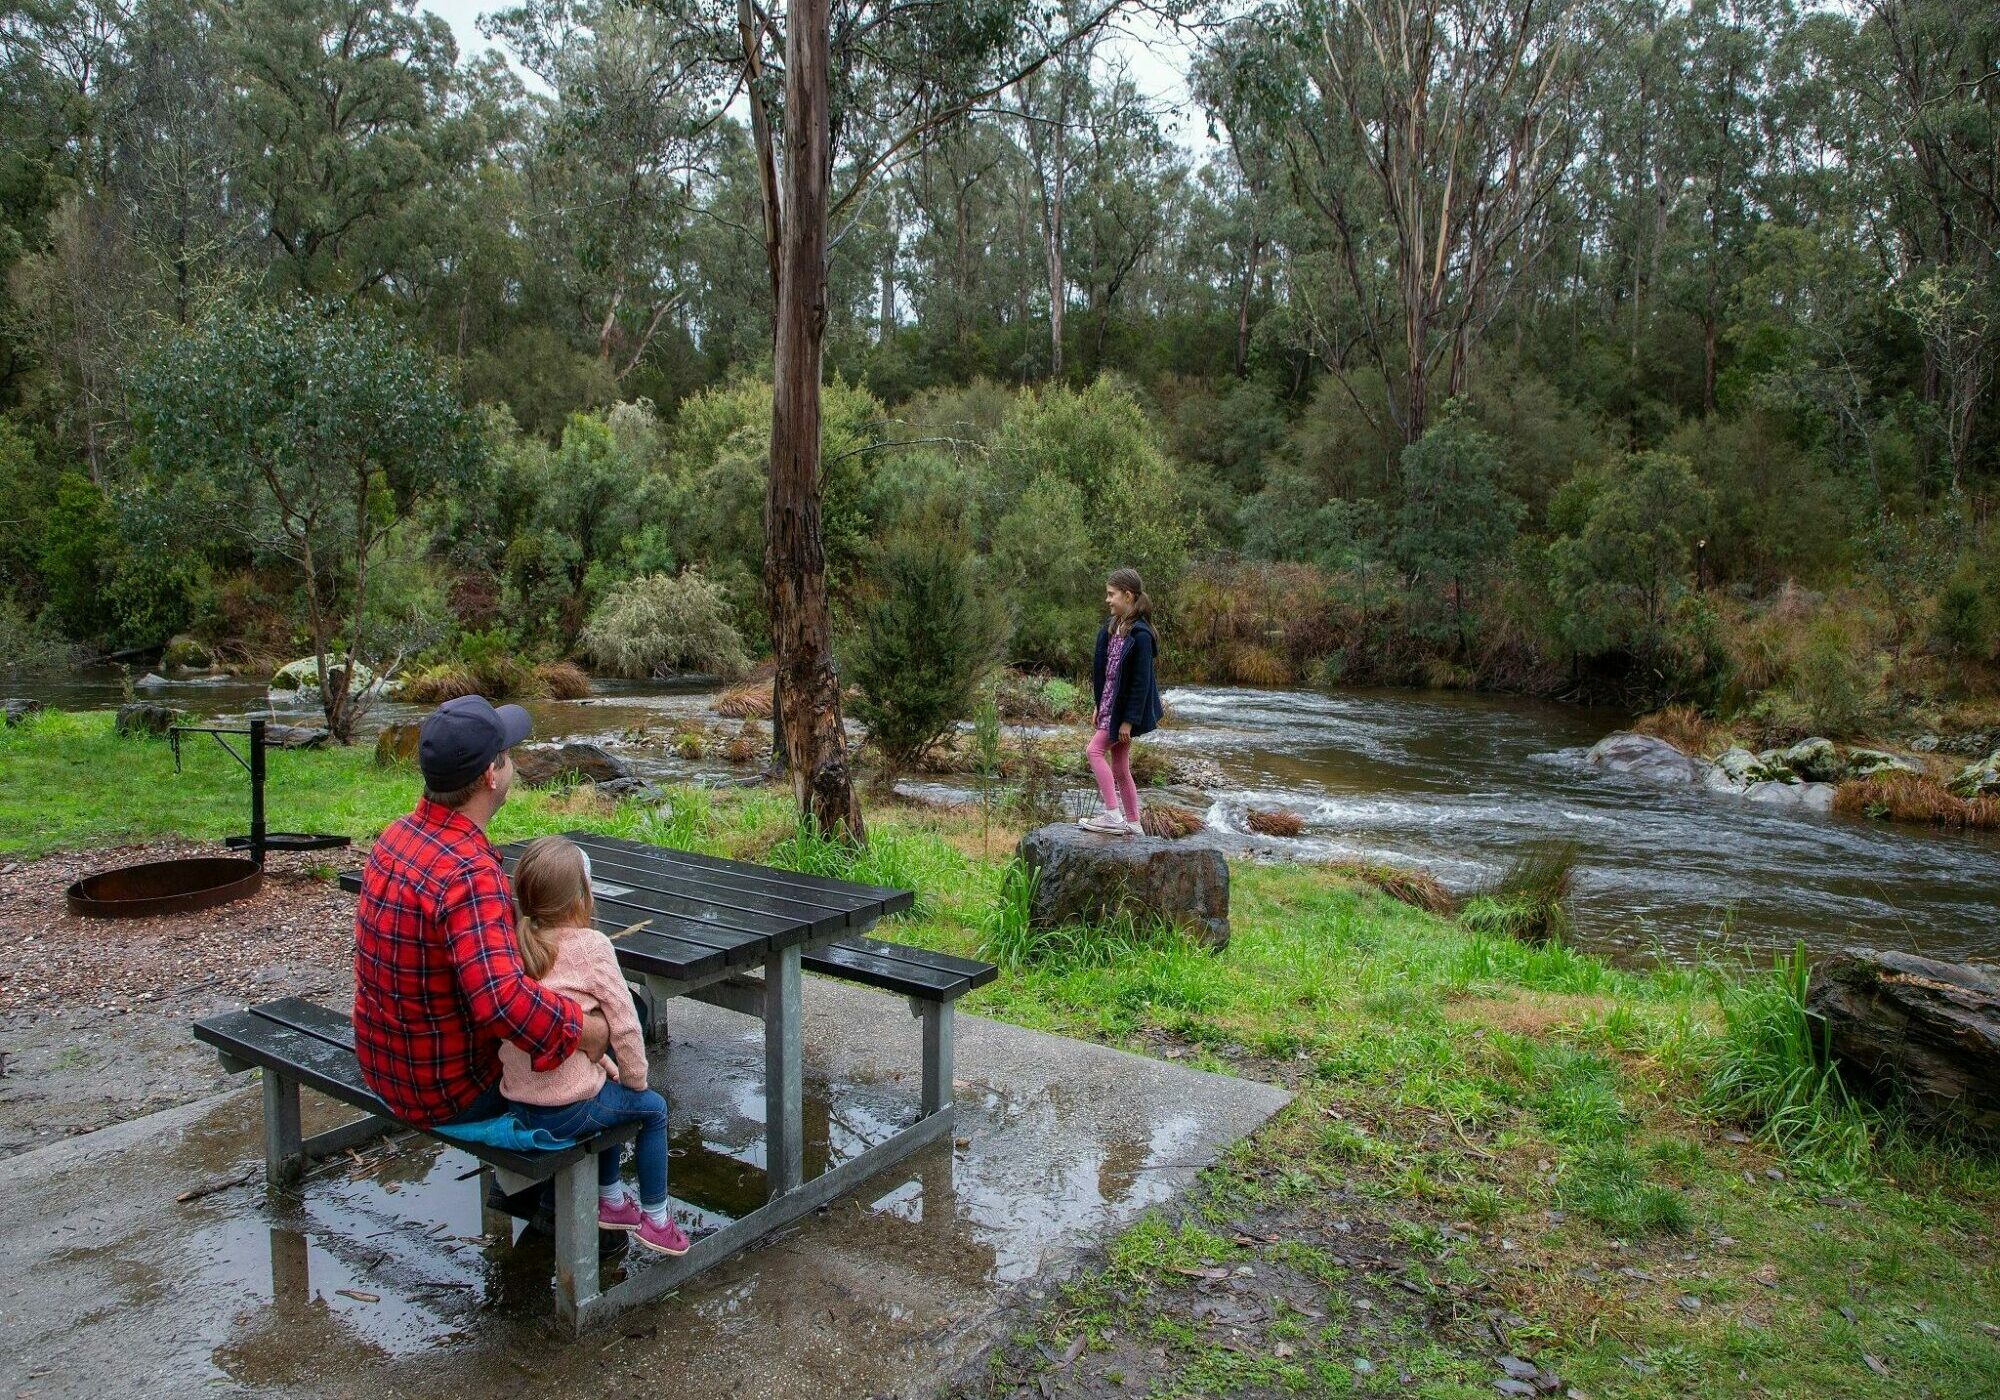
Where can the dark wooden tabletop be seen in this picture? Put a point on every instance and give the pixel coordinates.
(704, 915)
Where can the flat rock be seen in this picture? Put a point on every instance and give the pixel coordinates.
(293, 736)
(1089, 878)
(543, 764)
(1646, 757)
(1869, 763)
(16, 710)
(1926, 1030)
(147, 717)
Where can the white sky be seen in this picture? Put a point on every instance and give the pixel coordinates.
(1157, 57)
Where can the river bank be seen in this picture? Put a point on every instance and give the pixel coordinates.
(1498, 1151)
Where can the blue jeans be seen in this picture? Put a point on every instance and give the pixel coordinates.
(613, 1105)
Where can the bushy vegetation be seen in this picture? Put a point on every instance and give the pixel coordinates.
(661, 623)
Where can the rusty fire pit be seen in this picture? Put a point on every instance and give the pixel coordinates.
(164, 887)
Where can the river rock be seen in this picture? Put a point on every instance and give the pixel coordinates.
(302, 676)
(634, 790)
(1927, 1030)
(397, 744)
(147, 717)
(1870, 763)
(1644, 756)
(1978, 779)
(1814, 760)
(540, 765)
(184, 653)
(16, 711)
(293, 736)
(1088, 878)
(1804, 797)
(1742, 768)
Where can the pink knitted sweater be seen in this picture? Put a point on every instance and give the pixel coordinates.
(586, 969)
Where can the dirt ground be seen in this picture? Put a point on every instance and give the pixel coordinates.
(94, 1013)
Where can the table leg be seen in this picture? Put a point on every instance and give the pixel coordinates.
(284, 1148)
(784, 1100)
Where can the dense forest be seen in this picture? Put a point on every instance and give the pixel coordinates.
(1616, 349)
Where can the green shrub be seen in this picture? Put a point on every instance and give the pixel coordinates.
(1964, 622)
(1829, 678)
(925, 646)
(660, 623)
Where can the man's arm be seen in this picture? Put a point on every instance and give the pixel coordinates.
(479, 937)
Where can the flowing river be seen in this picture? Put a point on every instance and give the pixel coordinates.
(1459, 784)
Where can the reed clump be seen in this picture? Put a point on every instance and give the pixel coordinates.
(1915, 798)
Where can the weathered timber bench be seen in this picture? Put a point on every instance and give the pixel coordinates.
(297, 1044)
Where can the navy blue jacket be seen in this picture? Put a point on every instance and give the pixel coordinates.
(1138, 699)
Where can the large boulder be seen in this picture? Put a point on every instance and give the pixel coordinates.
(184, 653)
(397, 745)
(1871, 763)
(301, 677)
(1088, 878)
(1736, 769)
(1643, 756)
(294, 736)
(1978, 779)
(1814, 761)
(147, 717)
(16, 711)
(1929, 1031)
(540, 765)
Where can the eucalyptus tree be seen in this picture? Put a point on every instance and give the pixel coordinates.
(341, 106)
(307, 435)
(839, 94)
(1427, 137)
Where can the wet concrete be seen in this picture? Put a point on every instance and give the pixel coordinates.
(107, 1282)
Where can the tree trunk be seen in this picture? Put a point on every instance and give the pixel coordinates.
(1243, 307)
(889, 280)
(794, 554)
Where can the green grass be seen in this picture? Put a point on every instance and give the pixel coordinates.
(1464, 1085)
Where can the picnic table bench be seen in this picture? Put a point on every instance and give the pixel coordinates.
(726, 932)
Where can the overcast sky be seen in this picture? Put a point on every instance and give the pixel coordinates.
(1158, 59)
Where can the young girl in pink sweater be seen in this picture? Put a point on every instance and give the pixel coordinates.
(578, 1097)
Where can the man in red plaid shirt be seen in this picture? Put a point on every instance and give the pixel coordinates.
(438, 980)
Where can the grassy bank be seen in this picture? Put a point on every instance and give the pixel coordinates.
(1640, 1181)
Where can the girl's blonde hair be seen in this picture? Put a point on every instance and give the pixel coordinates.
(1127, 581)
(551, 891)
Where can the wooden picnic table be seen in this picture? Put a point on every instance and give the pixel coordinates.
(740, 936)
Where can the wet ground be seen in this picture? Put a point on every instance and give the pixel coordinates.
(378, 1279)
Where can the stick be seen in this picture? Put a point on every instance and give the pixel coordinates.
(632, 928)
(195, 1193)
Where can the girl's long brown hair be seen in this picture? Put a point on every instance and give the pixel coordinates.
(551, 891)
(1128, 581)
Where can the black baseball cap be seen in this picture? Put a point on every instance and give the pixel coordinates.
(460, 739)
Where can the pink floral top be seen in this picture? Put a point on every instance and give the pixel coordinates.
(1114, 655)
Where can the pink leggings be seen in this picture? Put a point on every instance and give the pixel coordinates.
(1112, 763)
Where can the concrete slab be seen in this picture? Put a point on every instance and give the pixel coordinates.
(107, 1283)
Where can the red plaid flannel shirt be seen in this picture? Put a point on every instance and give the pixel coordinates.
(438, 980)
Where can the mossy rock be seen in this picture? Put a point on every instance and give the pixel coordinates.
(184, 653)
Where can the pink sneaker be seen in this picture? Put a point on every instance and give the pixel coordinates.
(664, 1238)
(626, 1215)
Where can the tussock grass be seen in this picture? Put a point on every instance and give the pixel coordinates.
(560, 680)
(1275, 821)
(1530, 900)
(1409, 885)
(1913, 797)
(745, 702)
(1170, 820)
(1686, 728)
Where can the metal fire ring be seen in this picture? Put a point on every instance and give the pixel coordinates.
(164, 887)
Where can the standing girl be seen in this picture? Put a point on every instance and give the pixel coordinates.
(1128, 700)
(577, 1098)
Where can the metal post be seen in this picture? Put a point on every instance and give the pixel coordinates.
(257, 790)
(576, 1239)
(937, 1055)
(784, 1100)
(284, 1148)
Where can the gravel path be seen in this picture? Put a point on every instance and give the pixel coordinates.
(94, 1013)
